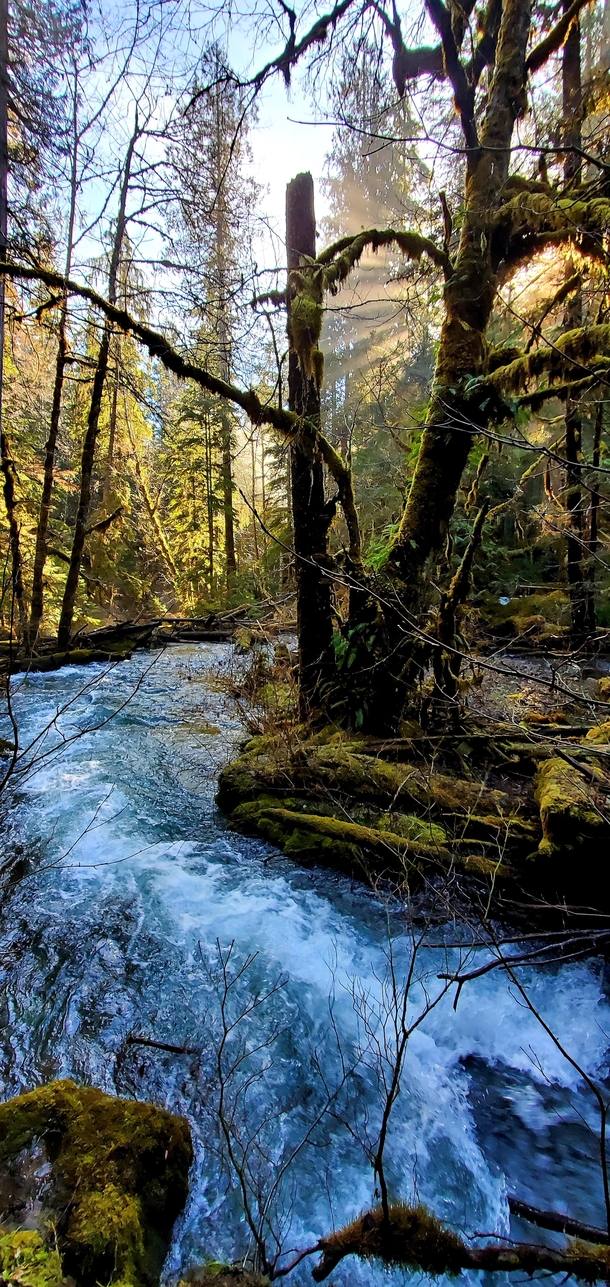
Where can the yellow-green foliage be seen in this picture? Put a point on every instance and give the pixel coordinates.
(305, 321)
(586, 344)
(543, 212)
(122, 1167)
(26, 1260)
(567, 807)
(600, 734)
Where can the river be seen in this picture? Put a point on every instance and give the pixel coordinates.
(130, 888)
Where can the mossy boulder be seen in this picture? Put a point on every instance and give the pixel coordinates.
(117, 1178)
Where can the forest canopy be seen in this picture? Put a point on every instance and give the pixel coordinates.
(197, 413)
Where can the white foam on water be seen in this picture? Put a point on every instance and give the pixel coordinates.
(118, 937)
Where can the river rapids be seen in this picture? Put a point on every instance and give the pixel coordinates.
(129, 897)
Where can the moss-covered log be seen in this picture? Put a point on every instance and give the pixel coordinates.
(75, 657)
(119, 1178)
(572, 808)
(327, 799)
(412, 1238)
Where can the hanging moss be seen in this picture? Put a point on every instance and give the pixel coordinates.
(305, 320)
(120, 1177)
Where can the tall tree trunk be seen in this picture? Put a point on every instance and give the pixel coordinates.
(40, 553)
(310, 515)
(572, 137)
(90, 441)
(225, 347)
(253, 487)
(593, 543)
(6, 461)
(227, 494)
(469, 298)
(111, 434)
(151, 508)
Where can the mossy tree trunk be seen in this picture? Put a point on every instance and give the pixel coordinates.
(572, 134)
(310, 513)
(469, 297)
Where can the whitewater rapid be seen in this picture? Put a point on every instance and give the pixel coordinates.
(131, 884)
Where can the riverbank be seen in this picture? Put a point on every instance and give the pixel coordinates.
(517, 806)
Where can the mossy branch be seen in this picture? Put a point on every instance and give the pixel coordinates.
(364, 837)
(257, 411)
(532, 220)
(568, 389)
(343, 255)
(575, 348)
(556, 38)
(414, 1239)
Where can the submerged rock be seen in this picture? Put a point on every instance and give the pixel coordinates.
(101, 1179)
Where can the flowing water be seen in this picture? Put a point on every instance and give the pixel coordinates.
(130, 889)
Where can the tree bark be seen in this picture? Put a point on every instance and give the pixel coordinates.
(309, 511)
(224, 343)
(593, 543)
(40, 553)
(573, 318)
(6, 460)
(469, 298)
(90, 441)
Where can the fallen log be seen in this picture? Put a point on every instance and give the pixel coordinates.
(75, 657)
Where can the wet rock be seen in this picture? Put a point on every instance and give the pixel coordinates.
(106, 1177)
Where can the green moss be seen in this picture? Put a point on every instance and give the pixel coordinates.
(27, 1261)
(216, 1274)
(600, 735)
(413, 828)
(121, 1170)
(567, 807)
(413, 1239)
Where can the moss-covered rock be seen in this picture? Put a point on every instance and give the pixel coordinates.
(216, 1274)
(571, 809)
(27, 1261)
(119, 1178)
